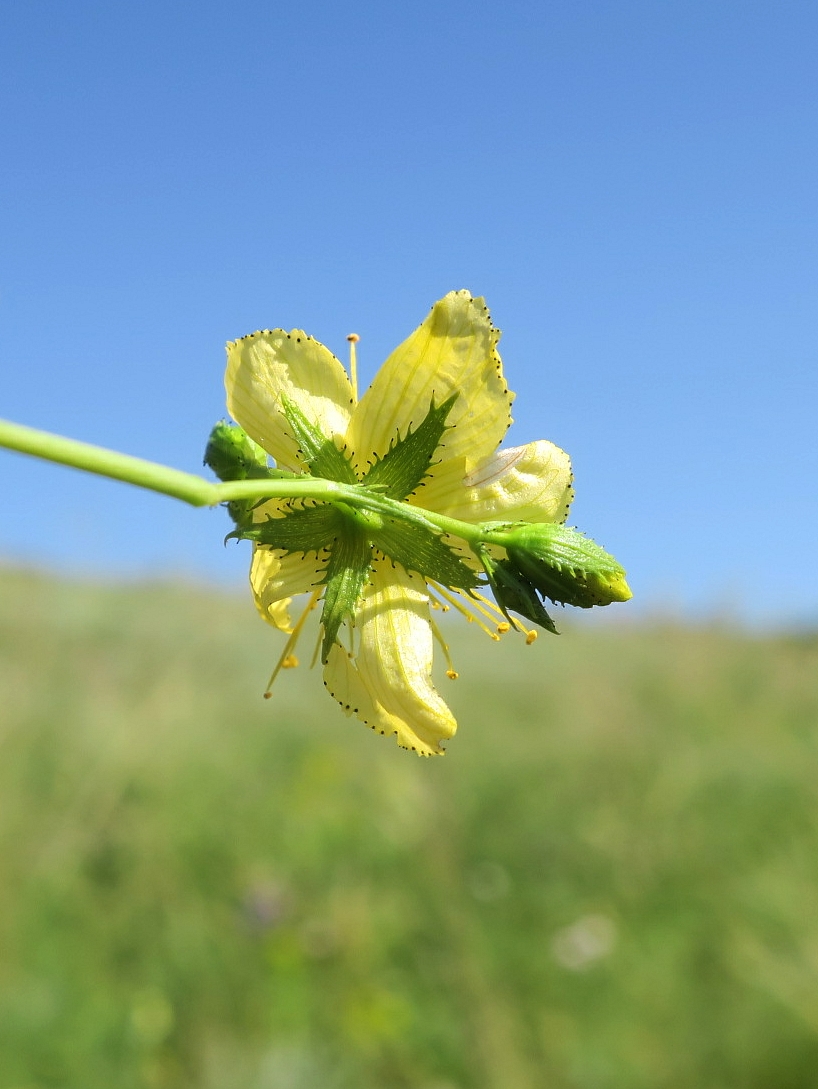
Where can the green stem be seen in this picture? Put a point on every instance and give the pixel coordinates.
(96, 459)
(204, 493)
(330, 491)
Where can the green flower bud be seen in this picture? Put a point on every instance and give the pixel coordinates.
(565, 566)
(232, 454)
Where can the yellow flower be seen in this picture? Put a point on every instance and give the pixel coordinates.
(381, 669)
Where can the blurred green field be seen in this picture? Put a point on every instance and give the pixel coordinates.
(610, 881)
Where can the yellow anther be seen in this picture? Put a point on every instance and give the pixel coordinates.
(531, 637)
(290, 662)
(503, 627)
(452, 674)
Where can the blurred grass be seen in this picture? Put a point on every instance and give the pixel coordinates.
(610, 882)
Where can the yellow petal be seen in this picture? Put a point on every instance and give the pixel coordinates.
(270, 508)
(263, 567)
(276, 577)
(529, 483)
(387, 683)
(454, 350)
(263, 367)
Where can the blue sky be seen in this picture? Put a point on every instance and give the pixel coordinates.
(631, 185)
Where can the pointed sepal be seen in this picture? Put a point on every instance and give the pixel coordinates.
(346, 576)
(303, 529)
(407, 461)
(322, 456)
(418, 549)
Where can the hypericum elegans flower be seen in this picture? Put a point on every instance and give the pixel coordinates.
(423, 510)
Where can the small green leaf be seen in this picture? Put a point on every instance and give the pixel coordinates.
(322, 456)
(418, 549)
(346, 576)
(307, 529)
(407, 461)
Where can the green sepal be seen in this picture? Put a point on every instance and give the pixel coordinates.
(322, 456)
(304, 529)
(421, 550)
(407, 461)
(566, 566)
(346, 576)
(512, 591)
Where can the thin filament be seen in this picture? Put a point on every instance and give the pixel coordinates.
(353, 339)
(491, 611)
(505, 624)
(288, 659)
(471, 617)
(451, 672)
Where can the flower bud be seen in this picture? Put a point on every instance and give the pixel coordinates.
(565, 566)
(232, 454)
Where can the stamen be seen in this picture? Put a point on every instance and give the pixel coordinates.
(288, 660)
(507, 624)
(493, 613)
(353, 339)
(471, 617)
(491, 605)
(451, 672)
